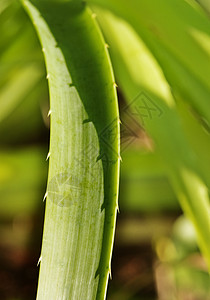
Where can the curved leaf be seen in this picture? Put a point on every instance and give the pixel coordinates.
(84, 153)
(176, 42)
(151, 103)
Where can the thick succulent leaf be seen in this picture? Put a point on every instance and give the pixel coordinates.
(177, 34)
(84, 153)
(151, 103)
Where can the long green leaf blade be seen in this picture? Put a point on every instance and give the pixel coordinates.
(84, 153)
(137, 70)
(176, 42)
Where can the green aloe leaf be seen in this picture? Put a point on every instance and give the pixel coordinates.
(155, 109)
(84, 153)
(176, 42)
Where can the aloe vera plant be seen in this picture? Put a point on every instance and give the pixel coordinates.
(173, 41)
(190, 182)
(84, 153)
(154, 57)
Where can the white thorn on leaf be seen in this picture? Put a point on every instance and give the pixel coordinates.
(48, 76)
(45, 196)
(118, 209)
(43, 49)
(106, 45)
(39, 261)
(48, 156)
(49, 112)
(120, 158)
(115, 85)
(110, 273)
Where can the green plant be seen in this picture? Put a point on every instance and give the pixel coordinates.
(83, 171)
(189, 180)
(162, 67)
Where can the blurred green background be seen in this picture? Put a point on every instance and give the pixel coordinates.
(155, 252)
